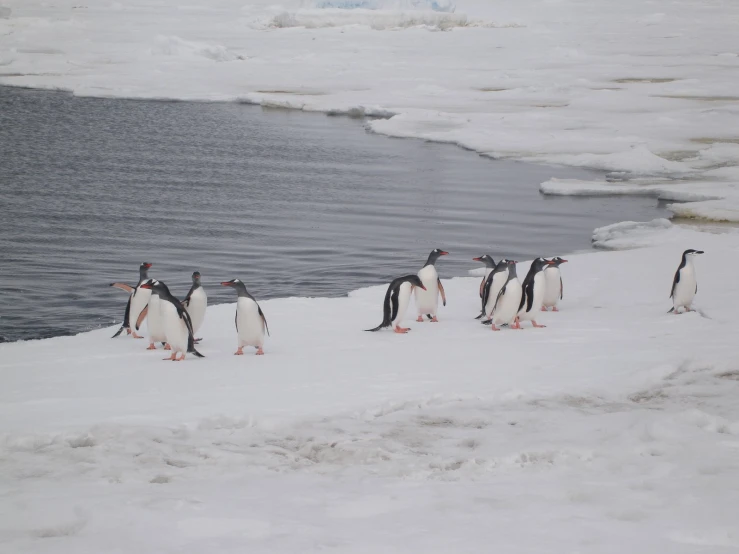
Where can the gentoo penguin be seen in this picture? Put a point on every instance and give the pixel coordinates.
(493, 284)
(154, 320)
(685, 284)
(396, 302)
(554, 287)
(427, 298)
(489, 266)
(195, 303)
(127, 318)
(175, 321)
(508, 300)
(250, 320)
(534, 287)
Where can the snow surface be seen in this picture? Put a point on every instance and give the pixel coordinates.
(643, 89)
(614, 429)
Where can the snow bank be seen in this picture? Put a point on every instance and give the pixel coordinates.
(175, 46)
(617, 414)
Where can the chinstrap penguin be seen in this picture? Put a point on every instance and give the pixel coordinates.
(396, 302)
(195, 303)
(427, 298)
(250, 321)
(534, 287)
(685, 283)
(554, 286)
(489, 267)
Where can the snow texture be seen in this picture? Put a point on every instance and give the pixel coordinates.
(644, 91)
(615, 428)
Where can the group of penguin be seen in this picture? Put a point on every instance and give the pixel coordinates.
(173, 323)
(505, 301)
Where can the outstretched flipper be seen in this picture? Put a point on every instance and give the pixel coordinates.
(123, 286)
(126, 315)
(264, 319)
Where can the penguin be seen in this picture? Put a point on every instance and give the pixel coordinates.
(250, 321)
(489, 266)
(143, 276)
(684, 284)
(493, 283)
(554, 287)
(154, 321)
(508, 300)
(427, 298)
(534, 287)
(195, 303)
(175, 321)
(396, 302)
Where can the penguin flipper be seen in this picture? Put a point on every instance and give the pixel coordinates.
(118, 332)
(481, 314)
(561, 289)
(123, 286)
(441, 290)
(264, 320)
(482, 286)
(142, 317)
(380, 326)
(126, 315)
(671, 310)
(497, 298)
(675, 281)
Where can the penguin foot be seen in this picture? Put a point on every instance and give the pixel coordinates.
(172, 358)
(151, 347)
(494, 328)
(420, 319)
(176, 359)
(535, 324)
(260, 352)
(167, 347)
(137, 336)
(434, 320)
(543, 308)
(401, 330)
(516, 325)
(240, 351)
(555, 309)
(128, 331)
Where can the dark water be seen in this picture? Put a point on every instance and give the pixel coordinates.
(294, 204)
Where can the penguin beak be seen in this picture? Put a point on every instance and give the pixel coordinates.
(146, 286)
(424, 288)
(562, 261)
(444, 253)
(551, 262)
(699, 252)
(147, 266)
(225, 283)
(478, 259)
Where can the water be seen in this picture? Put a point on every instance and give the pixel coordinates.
(294, 204)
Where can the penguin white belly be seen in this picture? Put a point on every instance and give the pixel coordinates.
(175, 329)
(507, 307)
(196, 308)
(139, 301)
(249, 323)
(499, 279)
(685, 289)
(404, 298)
(427, 301)
(539, 288)
(154, 320)
(552, 278)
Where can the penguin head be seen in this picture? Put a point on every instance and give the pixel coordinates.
(540, 263)
(156, 287)
(435, 253)
(236, 284)
(690, 252)
(196, 277)
(415, 281)
(487, 260)
(558, 261)
(231, 283)
(145, 265)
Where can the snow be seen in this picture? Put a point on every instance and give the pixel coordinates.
(615, 427)
(644, 90)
